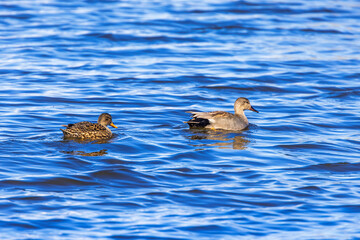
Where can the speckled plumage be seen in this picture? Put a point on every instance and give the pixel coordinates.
(88, 130)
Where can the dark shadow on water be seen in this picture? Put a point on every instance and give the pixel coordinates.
(338, 167)
(81, 143)
(220, 139)
(86, 141)
(90, 154)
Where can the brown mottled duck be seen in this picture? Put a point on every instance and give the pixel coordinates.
(223, 120)
(88, 130)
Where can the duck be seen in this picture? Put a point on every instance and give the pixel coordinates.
(89, 130)
(223, 120)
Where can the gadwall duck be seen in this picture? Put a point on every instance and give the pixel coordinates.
(223, 120)
(88, 130)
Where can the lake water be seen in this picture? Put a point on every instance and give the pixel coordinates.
(293, 174)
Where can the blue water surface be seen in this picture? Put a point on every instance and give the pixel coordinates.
(293, 174)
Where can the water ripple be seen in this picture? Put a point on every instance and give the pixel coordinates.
(294, 169)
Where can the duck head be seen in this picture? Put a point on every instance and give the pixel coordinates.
(106, 119)
(242, 104)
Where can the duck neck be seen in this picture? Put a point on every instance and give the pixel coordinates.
(107, 129)
(241, 114)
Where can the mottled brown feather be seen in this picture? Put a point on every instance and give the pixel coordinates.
(87, 130)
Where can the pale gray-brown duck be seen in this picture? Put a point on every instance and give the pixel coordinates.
(223, 120)
(88, 130)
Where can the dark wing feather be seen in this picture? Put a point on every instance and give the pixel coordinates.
(198, 122)
(203, 119)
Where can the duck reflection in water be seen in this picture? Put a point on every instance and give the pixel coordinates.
(220, 139)
(90, 154)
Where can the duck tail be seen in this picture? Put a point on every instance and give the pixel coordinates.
(198, 122)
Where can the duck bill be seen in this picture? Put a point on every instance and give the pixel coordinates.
(254, 110)
(113, 125)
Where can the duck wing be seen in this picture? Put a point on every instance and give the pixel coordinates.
(85, 130)
(205, 119)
